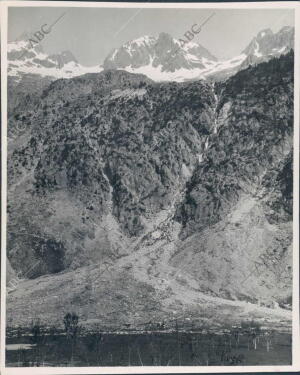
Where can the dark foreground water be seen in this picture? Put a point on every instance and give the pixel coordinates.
(150, 349)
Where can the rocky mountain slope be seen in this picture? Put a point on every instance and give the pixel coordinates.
(164, 58)
(30, 70)
(132, 200)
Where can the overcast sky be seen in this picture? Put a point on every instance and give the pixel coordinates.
(91, 33)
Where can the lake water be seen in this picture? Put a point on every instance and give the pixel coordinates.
(19, 346)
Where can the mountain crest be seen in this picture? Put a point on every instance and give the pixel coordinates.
(267, 43)
(161, 58)
(264, 33)
(25, 58)
(166, 59)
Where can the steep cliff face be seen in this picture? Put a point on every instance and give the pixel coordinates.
(183, 187)
(253, 133)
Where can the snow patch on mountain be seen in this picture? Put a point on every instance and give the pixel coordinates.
(23, 60)
(256, 51)
(210, 68)
(167, 59)
(161, 58)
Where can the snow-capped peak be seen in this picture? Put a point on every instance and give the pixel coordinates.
(266, 42)
(24, 58)
(161, 58)
(165, 52)
(165, 58)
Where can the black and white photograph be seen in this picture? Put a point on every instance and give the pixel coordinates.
(150, 187)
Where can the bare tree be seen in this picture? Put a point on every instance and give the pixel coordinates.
(72, 329)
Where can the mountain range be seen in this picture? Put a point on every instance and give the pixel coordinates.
(26, 59)
(132, 200)
(161, 58)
